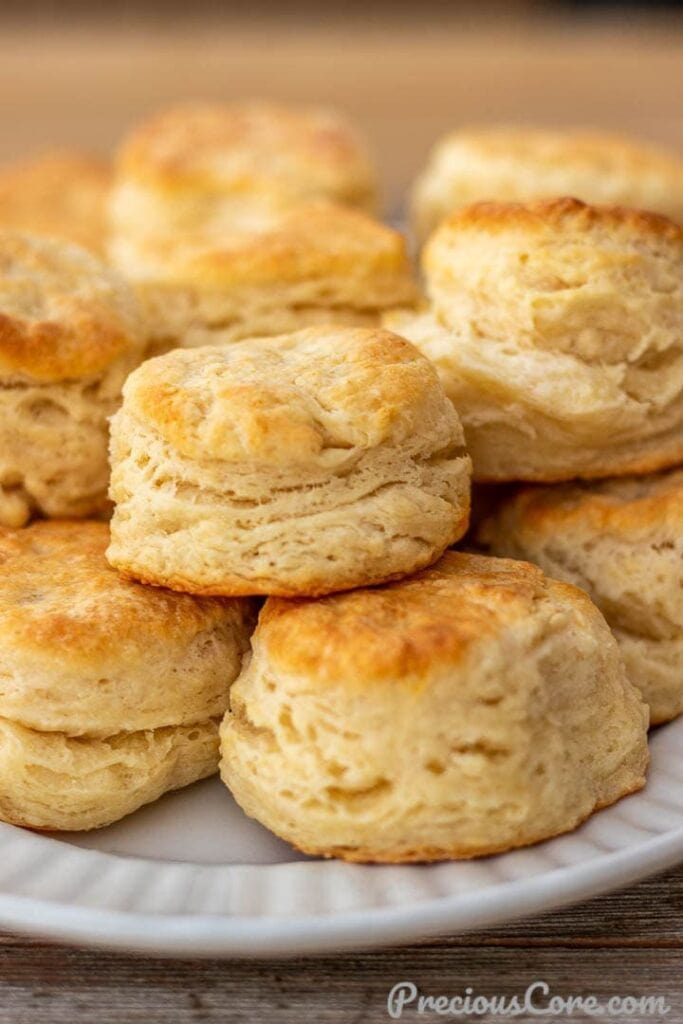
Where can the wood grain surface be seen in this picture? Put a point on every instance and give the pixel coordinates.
(405, 81)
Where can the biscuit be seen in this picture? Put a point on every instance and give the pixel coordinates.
(57, 194)
(224, 165)
(476, 707)
(70, 332)
(557, 329)
(622, 542)
(521, 164)
(61, 194)
(110, 692)
(315, 263)
(51, 782)
(301, 464)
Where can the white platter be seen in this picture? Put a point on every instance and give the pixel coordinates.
(193, 876)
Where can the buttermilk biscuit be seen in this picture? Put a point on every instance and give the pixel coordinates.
(60, 194)
(225, 166)
(557, 330)
(301, 464)
(521, 164)
(70, 332)
(315, 263)
(476, 707)
(110, 692)
(622, 541)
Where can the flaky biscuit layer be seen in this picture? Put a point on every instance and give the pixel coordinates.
(473, 708)
(299, 464)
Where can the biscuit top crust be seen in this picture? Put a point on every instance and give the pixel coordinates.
(564, 213)
(601, 153)
(308, 242)
(295, 399)
(63, 314)
(406, 631)
(58, 595)
(58, 193)
(303, 152)
(631, 508)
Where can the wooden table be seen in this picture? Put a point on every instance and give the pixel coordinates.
(405, 81)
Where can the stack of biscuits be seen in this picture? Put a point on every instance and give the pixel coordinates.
(557, 329)
(238, 440)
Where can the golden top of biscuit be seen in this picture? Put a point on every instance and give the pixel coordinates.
(314, 241)
(291, 399)
(58, 594)
(245, 147)
(58, 193)
(63, 314)
(406, 630)
(601, 153)
(603, 284)
(563, 214)
(629, 508)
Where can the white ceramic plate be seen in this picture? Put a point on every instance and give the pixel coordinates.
(192, 875)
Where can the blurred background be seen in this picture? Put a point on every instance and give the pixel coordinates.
(77, 73)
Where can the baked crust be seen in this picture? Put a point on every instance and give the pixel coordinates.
(563, 212)
(58, 593)
(406, 629)
(286, 400)
(630, 508)
(63, 315)
(251, 146)
(87, 653)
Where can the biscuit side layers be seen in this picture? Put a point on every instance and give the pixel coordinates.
(308, 463)
(53, 781)
(474, 708)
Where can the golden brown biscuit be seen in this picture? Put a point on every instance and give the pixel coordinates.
(515, 164)
(557, 329)
(223, 166)
(315, 263)
(88, 653)
(622, 542)
(475, 707)
(111, 692)
(61, 194)
(301, 464)
(70, 332)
